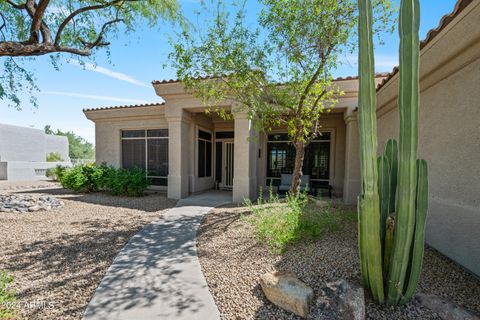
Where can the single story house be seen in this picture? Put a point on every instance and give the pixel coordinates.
(23, 152)
(187, 151)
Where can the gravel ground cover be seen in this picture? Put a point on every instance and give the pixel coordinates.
(27, 185)
(233, 260)
(58, 257)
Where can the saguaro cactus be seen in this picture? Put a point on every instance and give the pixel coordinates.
(392, 205)
(368, 200)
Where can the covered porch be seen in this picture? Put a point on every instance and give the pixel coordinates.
(207, 152)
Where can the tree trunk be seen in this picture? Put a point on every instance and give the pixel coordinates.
(297, 169)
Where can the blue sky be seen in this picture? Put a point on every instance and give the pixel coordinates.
(136, 60)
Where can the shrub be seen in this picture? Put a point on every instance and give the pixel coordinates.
(280, 224)
(92, 178)
(130, 182)
(86, 178)
(54, 157)
(50, 173)
(55, 173)
(7, 297)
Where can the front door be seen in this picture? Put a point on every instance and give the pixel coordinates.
(227, 182)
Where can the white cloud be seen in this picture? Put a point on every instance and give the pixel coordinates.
(109, 73)
(93, 97)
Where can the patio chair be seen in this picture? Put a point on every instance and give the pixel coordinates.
(286, 182)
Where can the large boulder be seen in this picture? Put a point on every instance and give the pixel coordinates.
(444, 308)
(340, 300)
(285, 290)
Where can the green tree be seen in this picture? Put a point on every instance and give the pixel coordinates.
(280, 71)
(78, 147)
(30, 28)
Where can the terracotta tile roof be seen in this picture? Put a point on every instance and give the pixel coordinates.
(444, 22)
(178, 80)
(126, 106)
(377, 75)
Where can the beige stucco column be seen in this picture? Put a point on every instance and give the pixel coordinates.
(245, 184)
(351, 184)
(179, 139)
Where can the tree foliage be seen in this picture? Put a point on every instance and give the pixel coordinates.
(78, 147)
(30, 28)
(280, 71)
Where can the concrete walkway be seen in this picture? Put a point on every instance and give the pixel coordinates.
(157, 275)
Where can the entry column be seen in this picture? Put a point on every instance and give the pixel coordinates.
(178, 155)
(245, 184)
(351, 184)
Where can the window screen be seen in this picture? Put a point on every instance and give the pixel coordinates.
(148, 150)
(204, 154)
(218, 160)
(133, 153)
(157, 157)
(281, 157)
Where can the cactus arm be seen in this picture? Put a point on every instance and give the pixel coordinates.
(369, 199)
(408, 106)
(362, 232)
(390, 225)
(391, 152)
(419, 238)
(384, 193)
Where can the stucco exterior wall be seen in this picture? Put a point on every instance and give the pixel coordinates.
(108, 138)
(57, 144)
(23, 152)
(110, 123)
(449, 136)
(449, 139)
(21, 144)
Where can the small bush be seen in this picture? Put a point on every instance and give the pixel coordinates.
(55, 173)
(7, 297)
(54, 157)
(91, 178)
(59, 171)
(50, 173)
(77, 178)
(130, 182)
(280, 224)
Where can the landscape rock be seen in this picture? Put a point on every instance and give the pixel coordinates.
(286, 291)
(340, 300)
(444, 308)
(34, 208)
(22, 203)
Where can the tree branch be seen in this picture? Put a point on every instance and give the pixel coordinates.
(315, 103)
(15, 5)
(46, 34)
(97, 42)
(33, 47)
(82, 10)
(3, 25)
(37, 19)
(16, 49)
(324, 57)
